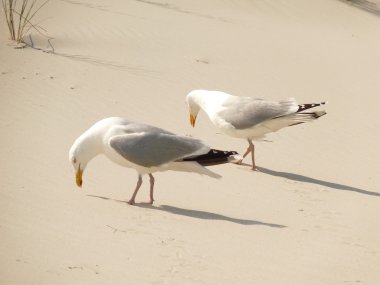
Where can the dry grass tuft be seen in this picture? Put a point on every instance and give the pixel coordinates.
(19, 16)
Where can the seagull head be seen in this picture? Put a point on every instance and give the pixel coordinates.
(194, 107)
(81, 152)
(77, 157)
(88, 145)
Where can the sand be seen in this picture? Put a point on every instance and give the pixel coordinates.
(309, 216)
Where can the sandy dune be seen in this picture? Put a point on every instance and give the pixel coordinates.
(309, 216)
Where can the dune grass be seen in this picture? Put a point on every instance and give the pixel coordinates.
(19, 16)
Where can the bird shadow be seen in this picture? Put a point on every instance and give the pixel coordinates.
(302, 178)
(197, 214)
(204, 215)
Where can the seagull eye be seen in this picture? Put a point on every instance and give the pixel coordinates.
(74, 160)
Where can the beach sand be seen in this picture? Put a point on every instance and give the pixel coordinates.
(310, 215)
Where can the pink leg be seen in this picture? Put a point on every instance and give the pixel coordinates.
(151, 180)
(247, 151)
(132, 200)
(252, 147)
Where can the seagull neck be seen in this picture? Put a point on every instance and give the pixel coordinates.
(91, 144)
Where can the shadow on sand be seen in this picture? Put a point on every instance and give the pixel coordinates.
(302, 178)
(197, 214)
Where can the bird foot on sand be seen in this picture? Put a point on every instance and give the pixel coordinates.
(133, 203)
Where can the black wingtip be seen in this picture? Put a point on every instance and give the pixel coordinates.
(213, 157)
(304, 107)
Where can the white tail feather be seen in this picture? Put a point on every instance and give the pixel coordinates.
(235, 158)
(192, 166)
(292, 119)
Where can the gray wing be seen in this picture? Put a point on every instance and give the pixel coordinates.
(246, 112)
(133, 128)
(155, 148)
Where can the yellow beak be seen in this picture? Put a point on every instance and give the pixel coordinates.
(78, 177)
(192, 120)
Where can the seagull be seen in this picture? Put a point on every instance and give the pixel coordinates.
(145, 148)
(248, 118)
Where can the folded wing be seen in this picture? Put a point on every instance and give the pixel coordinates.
(150, 149)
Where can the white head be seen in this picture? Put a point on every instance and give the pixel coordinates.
(192, 100)
(208, 101)
(85, 148)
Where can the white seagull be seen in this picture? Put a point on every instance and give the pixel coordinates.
(145, 148)
(247, 117)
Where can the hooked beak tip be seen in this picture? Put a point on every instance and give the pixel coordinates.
(78, 178)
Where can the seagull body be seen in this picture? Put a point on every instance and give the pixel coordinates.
(247, 117)
(145, 148)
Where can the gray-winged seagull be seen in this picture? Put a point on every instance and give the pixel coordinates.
(145, 148)
(247, 117)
